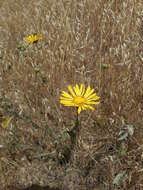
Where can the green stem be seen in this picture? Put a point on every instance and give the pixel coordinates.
(74, 133)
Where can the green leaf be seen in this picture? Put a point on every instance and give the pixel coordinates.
(37, 69)
(130, 129)
(118, 178)
(35, 125)
(123, 137)
(123, 149)
(105, 66)
(21, 47)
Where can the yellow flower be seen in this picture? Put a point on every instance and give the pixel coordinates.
(79, 97)
(33, 38)
(5, 122)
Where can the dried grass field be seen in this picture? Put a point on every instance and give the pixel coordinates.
(94, 42)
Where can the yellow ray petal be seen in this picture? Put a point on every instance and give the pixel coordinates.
(83, 107)
(76, 89)
(92, 102)
(64, 99)
(88, 106)
(65, 94)
(39, 36)
(91, 107)
(81, 90)
(88, 92)
(92, 96)
(66, 103)
(96, 98)
(71, 90)
(79, 109)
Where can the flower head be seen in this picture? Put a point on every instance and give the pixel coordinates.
(33, 38)
(79, 97)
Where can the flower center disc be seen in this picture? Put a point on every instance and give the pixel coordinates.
(79, 100)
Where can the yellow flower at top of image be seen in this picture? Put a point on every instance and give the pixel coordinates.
(33, 38)
(79, 97)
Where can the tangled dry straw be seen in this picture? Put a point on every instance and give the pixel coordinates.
(98, 43)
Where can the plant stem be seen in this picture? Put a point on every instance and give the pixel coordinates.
(74, 133)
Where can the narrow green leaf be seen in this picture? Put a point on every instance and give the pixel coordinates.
(105, 66)
(123, 149)
(118, 178)
(123, 137)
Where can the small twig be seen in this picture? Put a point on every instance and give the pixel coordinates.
(45, 155)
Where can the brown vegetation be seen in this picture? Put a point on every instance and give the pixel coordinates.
(95, 42)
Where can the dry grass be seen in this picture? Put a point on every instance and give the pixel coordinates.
(93, 42)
